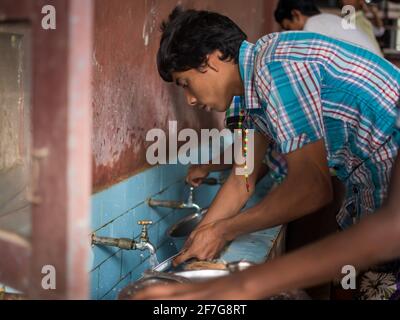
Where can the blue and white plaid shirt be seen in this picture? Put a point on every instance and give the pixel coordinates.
(302, 87)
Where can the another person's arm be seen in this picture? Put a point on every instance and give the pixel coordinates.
(377, 23)
(374, 240)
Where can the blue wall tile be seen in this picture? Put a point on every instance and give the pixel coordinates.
(172, 174)
(113, 293)
(123, 226)
(114, 202)
(94, 284)
(166, 250)
(130, 260)
(102, 253)
(97, 211)
(158, 213)
(152, 180)
(109, 274)
(136, 191)
(115, 213)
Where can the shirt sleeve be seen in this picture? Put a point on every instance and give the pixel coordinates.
(378, 32)
(293, 103)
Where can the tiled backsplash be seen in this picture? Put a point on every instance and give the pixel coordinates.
(115, 213)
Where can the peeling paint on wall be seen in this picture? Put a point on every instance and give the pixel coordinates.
(11, 101)
(95, 63)
(149, 21)
(129, 97)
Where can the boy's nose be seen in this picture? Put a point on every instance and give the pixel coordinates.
(190, 99)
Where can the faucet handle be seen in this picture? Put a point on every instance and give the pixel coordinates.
(144, 237)
(191, 196)
(144, 222)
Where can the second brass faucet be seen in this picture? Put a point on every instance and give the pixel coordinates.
(189, 204)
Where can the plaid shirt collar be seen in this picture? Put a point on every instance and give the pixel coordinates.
(246, 67)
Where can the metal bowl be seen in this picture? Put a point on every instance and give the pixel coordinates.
(183, 228)
(202, 275)
(160, 278)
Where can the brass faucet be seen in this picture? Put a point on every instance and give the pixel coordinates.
(128, 244)
(176, 204)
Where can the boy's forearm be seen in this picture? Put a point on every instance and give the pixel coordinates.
(229, 200)
(233, 195)
(374, 240)
(292, 199)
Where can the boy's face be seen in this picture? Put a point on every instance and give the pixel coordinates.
(208, 87)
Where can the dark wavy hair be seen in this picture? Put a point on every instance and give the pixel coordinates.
(285, 8)
(188, 36)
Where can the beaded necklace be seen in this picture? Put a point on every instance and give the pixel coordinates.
(244, 133)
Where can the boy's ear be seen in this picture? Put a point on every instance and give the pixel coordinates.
(203, 68)
(213, 61)
(296, 15)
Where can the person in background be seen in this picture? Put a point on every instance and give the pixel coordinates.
(372, 30)
(304, 15)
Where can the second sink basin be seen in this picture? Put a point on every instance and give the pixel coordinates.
(185, 226)
(179, 232)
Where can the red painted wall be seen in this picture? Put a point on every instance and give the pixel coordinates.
(129, 97)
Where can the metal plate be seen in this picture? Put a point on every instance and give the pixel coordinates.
(166, 265)
(202, 275)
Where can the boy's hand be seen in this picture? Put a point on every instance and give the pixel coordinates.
(196, 174)
(204, 243)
